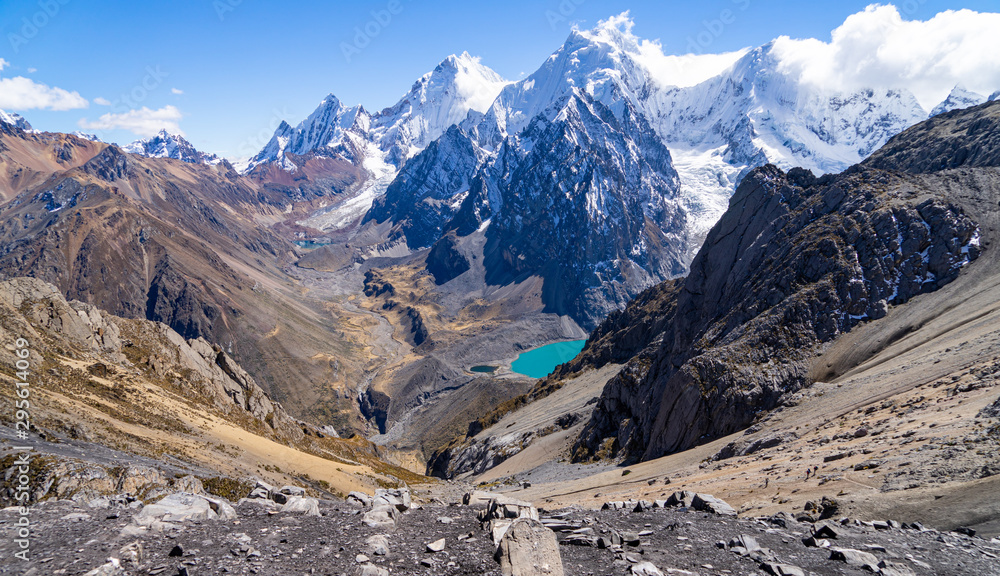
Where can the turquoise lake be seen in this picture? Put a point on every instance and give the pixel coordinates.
(540, 362)
(310, 245)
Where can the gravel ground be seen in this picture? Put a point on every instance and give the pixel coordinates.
(72, 539)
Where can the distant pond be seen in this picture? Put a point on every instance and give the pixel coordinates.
(541, 362)
(310, 245)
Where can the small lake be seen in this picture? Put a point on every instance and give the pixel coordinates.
(483, 369)
(310, 245)
(541, 362)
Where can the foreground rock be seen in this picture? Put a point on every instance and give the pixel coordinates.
(795, 263)
(176, 509)
(528, 549)
(668, 540)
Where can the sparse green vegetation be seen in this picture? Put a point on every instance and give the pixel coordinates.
(227, 488)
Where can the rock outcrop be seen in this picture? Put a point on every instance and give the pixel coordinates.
(966, 137)
(445, 261)
(179, 508)
(794, 263)
(529, 549)
(37, 311)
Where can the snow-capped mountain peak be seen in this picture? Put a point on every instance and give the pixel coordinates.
(167, 145)
(325, 131)
(86, 136)
(15, 120)
(958, 98)
(437, 100)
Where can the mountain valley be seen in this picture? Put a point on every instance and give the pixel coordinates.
(305, 359)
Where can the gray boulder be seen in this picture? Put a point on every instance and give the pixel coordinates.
(529, 549)
(397, 497)
(709, 503)
(381, 516)
(865, 560)
(179, 508)
(359, 498)
(378, 544)
(645, 569)
(112, 568)
(301, 505)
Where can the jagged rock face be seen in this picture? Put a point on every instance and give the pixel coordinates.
(793, 263)
(591, 208)
(42, 305)
(428, 192)
(585, 197)
(445, 261)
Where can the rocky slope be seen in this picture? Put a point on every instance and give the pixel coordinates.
(775, 302)
(960, 138)
(795, 263)
(24, 166)
(38, 312)
(186, 244)
(106, 391)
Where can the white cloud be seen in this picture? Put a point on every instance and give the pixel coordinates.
(877, 48)
(681, 71)
(686, 70)
(3, 64)
(32, 70)
(20, 93)
(143, 122)
(176, 91)
(101, 101)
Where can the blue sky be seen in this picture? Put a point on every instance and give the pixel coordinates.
(227, 71)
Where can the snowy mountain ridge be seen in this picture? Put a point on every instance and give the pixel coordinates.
(960, 98)
(609, 134)
(15, 120)
(436, 101)
(174, 146)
